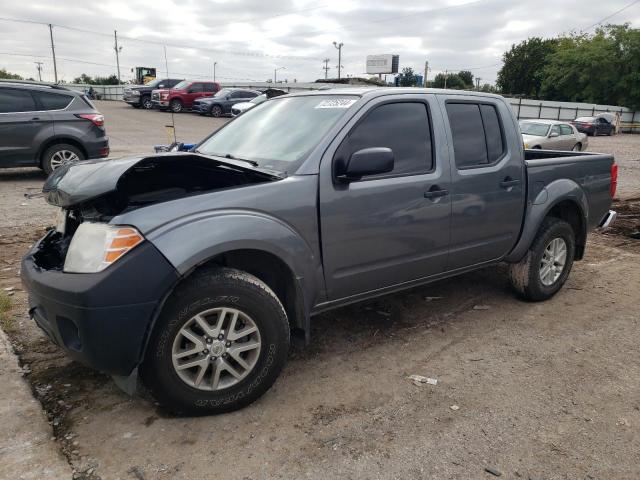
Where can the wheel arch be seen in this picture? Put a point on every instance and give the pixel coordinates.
(562, 199)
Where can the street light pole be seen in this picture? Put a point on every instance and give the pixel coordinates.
(275, 73)
(53, 53)
(214, 71)
(339, 47)
(39, 67)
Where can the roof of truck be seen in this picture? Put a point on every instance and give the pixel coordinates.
(380, 91)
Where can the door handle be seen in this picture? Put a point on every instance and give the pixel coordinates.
(435, 192)
(509, 182)
(35, 119)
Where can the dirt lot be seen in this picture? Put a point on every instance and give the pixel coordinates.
(534, 391)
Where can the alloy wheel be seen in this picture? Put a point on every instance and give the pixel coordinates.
(215, 349)
(553, 261)
(63, 157)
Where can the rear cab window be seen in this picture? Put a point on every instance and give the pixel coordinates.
(404, 127)
(478, 140)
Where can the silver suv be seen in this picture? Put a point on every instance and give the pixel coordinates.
(48, 126)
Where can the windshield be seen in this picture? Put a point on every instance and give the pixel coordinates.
(259, 99)
(153, 83)
(585, 119)
(182, 85)
(280, 133)
(536, 129)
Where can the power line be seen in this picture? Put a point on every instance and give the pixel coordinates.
(612, 15)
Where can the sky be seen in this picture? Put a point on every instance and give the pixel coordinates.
(249, 39)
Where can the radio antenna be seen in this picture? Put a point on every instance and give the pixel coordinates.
(173, 121)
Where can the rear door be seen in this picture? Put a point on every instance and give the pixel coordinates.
(568, 137)
(208, 89)
(21, 127)
(194, 92)
(488, 176)
(382, 230)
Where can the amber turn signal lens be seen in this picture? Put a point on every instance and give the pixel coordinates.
(122, 241)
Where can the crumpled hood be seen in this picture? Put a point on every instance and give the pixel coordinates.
(82, 181)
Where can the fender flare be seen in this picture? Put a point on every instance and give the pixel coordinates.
(537, 210)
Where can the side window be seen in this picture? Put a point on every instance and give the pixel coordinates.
(53, 101)
(236, 95)
(492, 132)
(14, 101)
(196, 88)
(469, 144)
(402, 127)
(209, 87)
(477, 136)
(566, 130)
(250, 94)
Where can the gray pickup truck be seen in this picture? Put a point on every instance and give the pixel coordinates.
(189, 273)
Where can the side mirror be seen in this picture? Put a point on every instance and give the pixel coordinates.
(554, 134)
(368, 161)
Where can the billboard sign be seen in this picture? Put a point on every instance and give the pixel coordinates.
(382, 63)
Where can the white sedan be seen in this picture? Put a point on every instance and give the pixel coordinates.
(552, 135)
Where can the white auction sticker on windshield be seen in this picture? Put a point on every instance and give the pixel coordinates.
(336, 103)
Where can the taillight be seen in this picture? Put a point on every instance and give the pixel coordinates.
(614, 180)
(95, 118)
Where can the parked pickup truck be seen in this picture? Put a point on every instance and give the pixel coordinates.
(140, 95)
(189, 272)
(182, 95)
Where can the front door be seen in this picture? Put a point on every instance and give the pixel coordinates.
(488, 191)
(383, 230)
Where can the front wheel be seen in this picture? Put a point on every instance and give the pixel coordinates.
(546, 266)
(219, 344)
(146, 102)
(216, 111)
(176, 105)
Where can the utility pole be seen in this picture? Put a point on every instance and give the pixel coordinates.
(53, 51)
(326, 68)
(118, 50)
(446, 74)
(478, 83)
(39, 67)
(339, 47)
(214, 70)
(275, 73)
(426, 72)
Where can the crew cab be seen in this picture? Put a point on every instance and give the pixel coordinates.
(190, 272)
(182, 96)
(140, 95)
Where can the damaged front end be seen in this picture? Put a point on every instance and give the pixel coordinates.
(97, 191)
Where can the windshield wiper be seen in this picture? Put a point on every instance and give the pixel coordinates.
(250, 162)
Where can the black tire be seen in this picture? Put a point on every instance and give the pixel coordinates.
(216, 111)
(207, 289)
(49, 163)
(525, 275)
(146, 103)
(176, 105)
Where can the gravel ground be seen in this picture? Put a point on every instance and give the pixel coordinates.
(535, 391)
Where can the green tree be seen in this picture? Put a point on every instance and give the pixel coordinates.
(600, 68)
(8, 75)
(467, 78)
(453, 81)
(86, 79)
(523, 69)
(408, 77)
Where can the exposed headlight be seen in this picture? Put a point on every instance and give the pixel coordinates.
(95, 246)
(135, 92)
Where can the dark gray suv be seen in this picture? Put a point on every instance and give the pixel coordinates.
(48, 126)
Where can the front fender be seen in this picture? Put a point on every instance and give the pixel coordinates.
(192, 240)
(537, 210)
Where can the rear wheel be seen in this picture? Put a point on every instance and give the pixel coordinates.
(219, 344)
(176, 105)
(216, 111)
(546, 266)
(58, 155)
